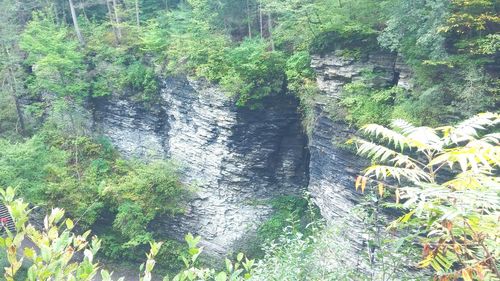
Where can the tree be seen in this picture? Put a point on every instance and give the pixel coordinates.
(416, 23)
(10, 63)
(117, 20)
(446, 179)
(137, 12)
(54, 56)
(112, 21)
(75, 23)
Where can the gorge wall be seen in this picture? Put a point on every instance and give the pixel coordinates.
(333, 168)
(237, 159)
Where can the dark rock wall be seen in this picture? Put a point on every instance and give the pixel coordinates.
(236, 158)
(333, 168)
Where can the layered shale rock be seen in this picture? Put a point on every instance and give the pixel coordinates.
(238, 159)
(333, 168)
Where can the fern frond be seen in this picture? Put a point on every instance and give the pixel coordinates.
(382, 172)
(386, 134)
(381, 153)
(493, 138)
(475, 155)
(473, 180)
(404, 126)
(422, 137)
(468, 130)
(426, 138)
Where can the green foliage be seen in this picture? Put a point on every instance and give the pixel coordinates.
(145, 192)
(141, 79)
(456, 206)
(450, 46)
(29, 164)
(154, 40)
(249, 71)
(298, 71)
(193, 47)
(472, 27)
(253, 72)
(306, 25)
(289, 211)
(89, 179)
(237, 271)
(54, 251)
(413, 29)
(367, 104)
(122, 70)
(297, 257)
(56, 62)
(462, 91)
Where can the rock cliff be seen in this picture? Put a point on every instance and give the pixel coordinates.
(237, 158)
(333, 168)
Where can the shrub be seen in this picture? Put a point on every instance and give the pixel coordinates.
(365, 104)
(253, 72)
(457, 207)
(54, 252)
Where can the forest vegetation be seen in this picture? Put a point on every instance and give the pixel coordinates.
(438, 169)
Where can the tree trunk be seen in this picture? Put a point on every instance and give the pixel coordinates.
(13, 87)
(117, 21)
(261, 25)
(248, 20)
(111, 20)
(75, 23)
(137, 12)
(83, 10)
(270, 29)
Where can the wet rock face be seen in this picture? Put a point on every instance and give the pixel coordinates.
(237, 159)
(333, 169)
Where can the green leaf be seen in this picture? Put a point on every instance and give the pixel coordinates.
(222, 276)
(69, 224)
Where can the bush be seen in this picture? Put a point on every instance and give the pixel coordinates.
(253, 72)
(289, 211)
(89, 179)
(365, 104)
(295, 256)
(445, 179)
(58, 253)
